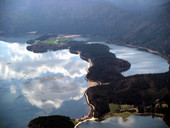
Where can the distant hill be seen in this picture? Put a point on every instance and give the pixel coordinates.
(153, 33)
(73, 16)
(138, 22)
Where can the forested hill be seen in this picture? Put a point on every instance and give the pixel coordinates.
(114, 18)
(153, 33)
(138, 22)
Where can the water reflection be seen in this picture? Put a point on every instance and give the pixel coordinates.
(47, 94)
(131, 122)
(34, 85)
(126, 122)
(17, 62)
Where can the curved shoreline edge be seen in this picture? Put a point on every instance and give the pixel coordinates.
(140, 114)
(90, 115)
(144, 49)
(150, 51)
(88, 55)
(90, 118)
(97, 55)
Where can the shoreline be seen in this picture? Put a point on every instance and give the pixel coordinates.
(150, 51)
(92, 84)
(144, 49)
(90, 115)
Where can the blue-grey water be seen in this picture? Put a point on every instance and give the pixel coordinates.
(33, 85)
(131, 122)
(142, 62)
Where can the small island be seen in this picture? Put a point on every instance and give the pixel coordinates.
(51, 122)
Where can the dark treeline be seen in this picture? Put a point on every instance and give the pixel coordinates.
(143, 91)
(44, 47)
(106, 67)
(41, 47)
(51, 122)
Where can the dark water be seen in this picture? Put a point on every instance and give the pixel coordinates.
(51, 83)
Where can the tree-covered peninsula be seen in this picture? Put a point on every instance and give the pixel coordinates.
(50, 43)
(146, 93)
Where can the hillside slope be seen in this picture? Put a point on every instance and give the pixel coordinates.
(153, 33)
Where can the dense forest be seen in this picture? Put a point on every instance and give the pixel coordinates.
(51, 122)
(45, 43)
(106, 67)
(143, 91)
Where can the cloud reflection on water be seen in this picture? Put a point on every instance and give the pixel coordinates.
(27, 64)
(30, 69)
(126, 123)
(48, 94)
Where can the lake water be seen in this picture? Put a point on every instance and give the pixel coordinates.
(33, 85)
(131, 122)
(141, 62)
(53, 83)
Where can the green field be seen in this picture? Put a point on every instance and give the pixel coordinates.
(61, 41)
(50, 41)
(113, 107)
(126, 106)
(124, 114)
(75, 123)
(124, 111)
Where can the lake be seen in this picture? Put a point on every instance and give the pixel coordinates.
(142, 62)
(33, 85)
(53, 83)
(131, 122)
